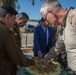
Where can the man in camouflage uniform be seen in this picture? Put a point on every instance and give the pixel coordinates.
(9, 53)
(20, 21)
(53, 12)
(61, 58)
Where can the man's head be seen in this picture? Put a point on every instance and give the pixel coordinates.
(44, 23)
(51, 11)
(22, 19)
(8, 15)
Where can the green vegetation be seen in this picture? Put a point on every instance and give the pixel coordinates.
(15, 3)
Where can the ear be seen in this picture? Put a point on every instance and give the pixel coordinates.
(7, 17)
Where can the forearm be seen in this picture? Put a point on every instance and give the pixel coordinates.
(51, 54)
(14, 54)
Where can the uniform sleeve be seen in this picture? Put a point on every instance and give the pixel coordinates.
(51, 54)
(14, 54)
(55, 50)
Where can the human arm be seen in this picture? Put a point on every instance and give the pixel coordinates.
(14, 55)
(56, 50)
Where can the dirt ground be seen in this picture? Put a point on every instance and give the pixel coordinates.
(28, 52)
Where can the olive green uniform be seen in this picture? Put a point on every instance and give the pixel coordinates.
(18, 42)
(9, 53)
(17, 35)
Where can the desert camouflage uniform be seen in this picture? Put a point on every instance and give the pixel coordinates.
(67, 39)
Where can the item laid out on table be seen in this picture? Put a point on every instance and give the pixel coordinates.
(51, 68)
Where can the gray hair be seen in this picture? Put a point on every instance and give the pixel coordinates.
(49, 4)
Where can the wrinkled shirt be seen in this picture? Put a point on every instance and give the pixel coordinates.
(70, 39)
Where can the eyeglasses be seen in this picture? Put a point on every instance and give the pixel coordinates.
(46, 16)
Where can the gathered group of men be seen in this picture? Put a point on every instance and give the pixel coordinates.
(10, 40)
(48, 41)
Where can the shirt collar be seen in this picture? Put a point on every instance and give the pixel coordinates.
(65, 17)
(44, 27)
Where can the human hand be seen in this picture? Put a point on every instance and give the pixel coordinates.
(39, 55)
(43, 62)
(36, 61)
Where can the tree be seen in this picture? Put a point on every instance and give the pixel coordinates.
(33, 1)
(14, 3)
